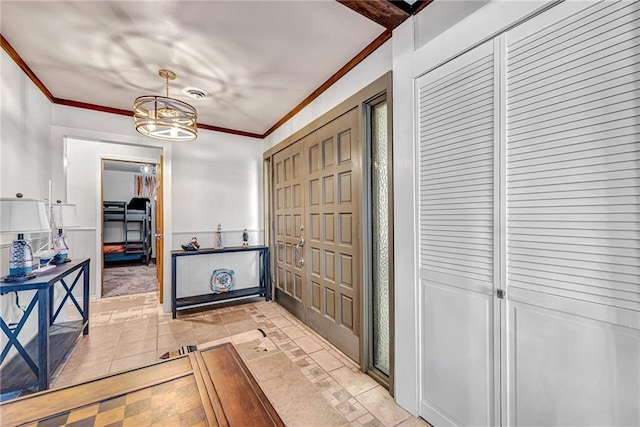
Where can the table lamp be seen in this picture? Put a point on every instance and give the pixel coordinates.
(18, 215)
(64, 216)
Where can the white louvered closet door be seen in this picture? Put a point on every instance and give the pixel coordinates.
(456, 150)
(573, 172)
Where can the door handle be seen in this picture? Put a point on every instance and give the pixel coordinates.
(159, 236)
(299, 261)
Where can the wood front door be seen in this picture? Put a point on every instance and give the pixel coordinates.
(288, 201)
(317, 195)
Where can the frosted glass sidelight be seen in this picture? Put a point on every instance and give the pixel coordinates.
(380, 233)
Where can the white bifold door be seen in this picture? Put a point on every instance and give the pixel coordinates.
(529, 180)
(457, 240)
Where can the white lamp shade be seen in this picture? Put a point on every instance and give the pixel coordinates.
(23, 216)
(65, 215)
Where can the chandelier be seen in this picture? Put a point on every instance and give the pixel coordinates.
(166, 118)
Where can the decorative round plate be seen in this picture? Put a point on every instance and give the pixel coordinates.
(222, 280)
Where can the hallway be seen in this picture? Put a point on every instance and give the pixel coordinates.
(308, 381)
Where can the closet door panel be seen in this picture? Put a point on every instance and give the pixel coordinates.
(571, 371)
(456, 164)
(573, 203)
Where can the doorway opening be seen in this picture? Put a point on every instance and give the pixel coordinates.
(129, 210)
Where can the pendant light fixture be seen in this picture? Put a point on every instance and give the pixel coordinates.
(166, 118)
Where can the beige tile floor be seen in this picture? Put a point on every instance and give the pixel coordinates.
(308, 381)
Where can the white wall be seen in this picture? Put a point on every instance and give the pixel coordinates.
(442, 15)
(374, 66)
(24, 143)
(25, 165)
(94, 126)
(216, 178)
(118, 185)
(483, 24)
(25, 153)
(84, 185)
(405, 296)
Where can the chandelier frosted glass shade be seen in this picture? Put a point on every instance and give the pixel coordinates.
(166, 118)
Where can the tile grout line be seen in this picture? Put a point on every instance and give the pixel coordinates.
(261, 314)
(358, 409)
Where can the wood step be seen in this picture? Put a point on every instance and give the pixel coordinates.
(212, 386)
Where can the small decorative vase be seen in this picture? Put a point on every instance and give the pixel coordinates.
(20, 257)
(45, 256)
(218, 238)
(245, 238)
(61, 247)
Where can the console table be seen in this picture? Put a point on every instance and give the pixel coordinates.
(35, 361)
(262, 288)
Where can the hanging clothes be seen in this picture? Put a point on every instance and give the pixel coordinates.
(145, 186)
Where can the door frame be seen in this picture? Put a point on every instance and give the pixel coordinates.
(117, 147)
(367, 240)
(158, 227)
(159, 208)
(379, 86)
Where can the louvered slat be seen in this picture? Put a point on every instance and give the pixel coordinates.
(456, 175)
(573, 158)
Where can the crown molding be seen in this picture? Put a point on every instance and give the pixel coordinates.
(370, 48)
(25, 68)
(88, 106)
(231, 131)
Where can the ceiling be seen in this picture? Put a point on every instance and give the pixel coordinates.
(257, 60)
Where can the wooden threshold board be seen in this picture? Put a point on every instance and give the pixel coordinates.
(236, 396)
(211, 387)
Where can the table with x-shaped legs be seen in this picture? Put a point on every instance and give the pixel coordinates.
(68, 276)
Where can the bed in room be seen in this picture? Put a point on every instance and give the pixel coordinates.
(127, 230)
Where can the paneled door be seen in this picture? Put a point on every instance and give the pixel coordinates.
(288, 202)
(332, 205)
(317, 194)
